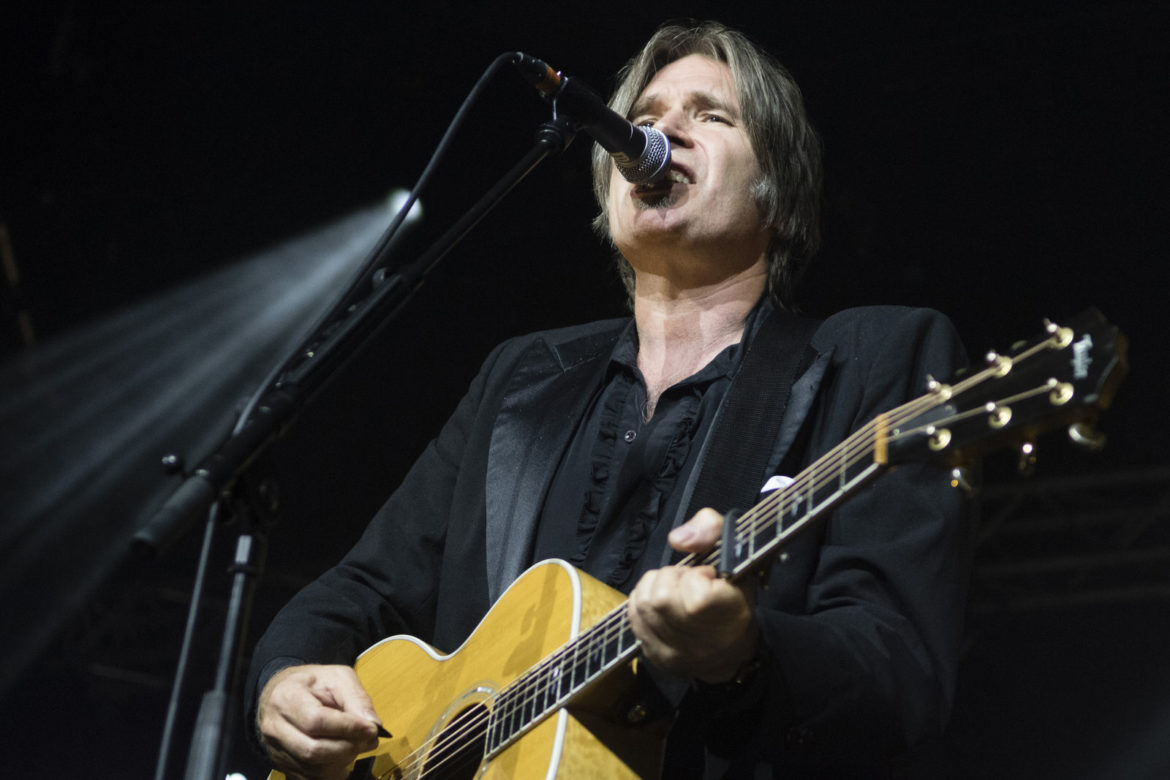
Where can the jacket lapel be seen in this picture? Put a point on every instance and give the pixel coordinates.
(800, 403)
(545, 398)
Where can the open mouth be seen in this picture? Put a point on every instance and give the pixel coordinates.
(675, 175)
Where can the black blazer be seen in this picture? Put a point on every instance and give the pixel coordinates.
(860, 623)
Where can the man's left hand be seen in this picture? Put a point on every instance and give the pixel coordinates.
(692, 622)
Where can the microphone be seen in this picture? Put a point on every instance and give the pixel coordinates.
(641, 154)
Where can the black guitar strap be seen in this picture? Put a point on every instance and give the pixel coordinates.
(732, 469)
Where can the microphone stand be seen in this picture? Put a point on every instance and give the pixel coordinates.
(215, 483)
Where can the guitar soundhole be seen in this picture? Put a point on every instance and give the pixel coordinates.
(459, 747)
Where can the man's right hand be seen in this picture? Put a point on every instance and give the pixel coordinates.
(314, 720)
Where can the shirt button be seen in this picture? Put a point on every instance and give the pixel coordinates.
(630, 436)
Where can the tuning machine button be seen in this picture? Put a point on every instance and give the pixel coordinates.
(1027, 462)
(1086, 436)
(961, 480)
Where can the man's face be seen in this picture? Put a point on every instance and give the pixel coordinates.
(706, 202)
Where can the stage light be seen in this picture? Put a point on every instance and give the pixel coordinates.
(397, 199)
(85, 418)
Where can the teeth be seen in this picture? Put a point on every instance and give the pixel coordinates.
(673, 176)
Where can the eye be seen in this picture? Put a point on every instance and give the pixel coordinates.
(709, 117)
(644, 122)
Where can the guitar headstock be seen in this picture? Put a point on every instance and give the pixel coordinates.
(1066, 376)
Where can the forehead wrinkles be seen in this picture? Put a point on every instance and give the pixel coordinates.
(699, 99)
(714, 86)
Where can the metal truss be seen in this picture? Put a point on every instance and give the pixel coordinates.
(1073, 541)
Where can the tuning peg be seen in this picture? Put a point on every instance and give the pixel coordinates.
(173, 464)
(1027, 462)
(1086, 436)
(1000, 363)
(1061, 337)
(937, 388)
(961, 479)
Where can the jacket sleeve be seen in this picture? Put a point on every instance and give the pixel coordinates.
(386, 584)
(861, 622)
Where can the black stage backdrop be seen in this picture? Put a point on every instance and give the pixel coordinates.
(183, 185)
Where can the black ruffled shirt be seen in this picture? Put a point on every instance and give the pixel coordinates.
(618, 487)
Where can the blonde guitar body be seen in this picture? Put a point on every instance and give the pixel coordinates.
(433, 705)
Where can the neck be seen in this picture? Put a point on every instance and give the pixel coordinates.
(680, 330)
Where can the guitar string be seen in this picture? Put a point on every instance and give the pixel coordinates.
(828, 468)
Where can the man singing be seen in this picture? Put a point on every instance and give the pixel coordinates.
(601, 444)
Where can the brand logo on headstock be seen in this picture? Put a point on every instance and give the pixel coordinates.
(1081, 359)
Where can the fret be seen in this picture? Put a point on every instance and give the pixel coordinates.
(617, 634)
(771, 526)
(596, 659)
(527, 704)
(572, 661)
(508, 715)
(500, 723)
(611, 647)
(773, 522)
(604, 643)
(556, 673)
(752, 529)
(625, 640)
(545, 689)
(493, 729)
(590, 654)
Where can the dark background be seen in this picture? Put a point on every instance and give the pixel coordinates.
(1002, 162)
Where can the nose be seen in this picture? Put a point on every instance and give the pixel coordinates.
(675, 124)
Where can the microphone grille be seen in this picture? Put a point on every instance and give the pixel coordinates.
(652, 163)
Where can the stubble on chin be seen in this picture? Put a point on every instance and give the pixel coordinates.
(657, 200)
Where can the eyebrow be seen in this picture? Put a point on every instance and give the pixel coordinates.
(699, 98)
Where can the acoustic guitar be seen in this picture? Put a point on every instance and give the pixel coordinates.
(540, 688)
